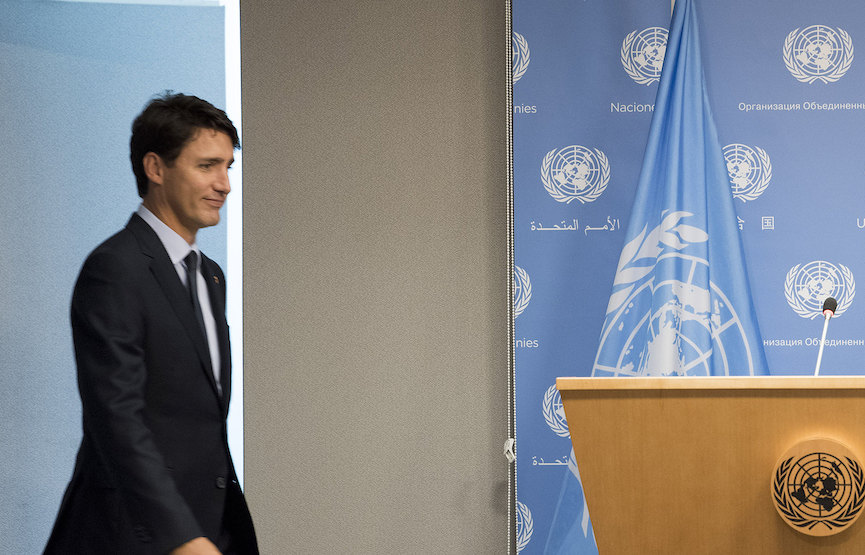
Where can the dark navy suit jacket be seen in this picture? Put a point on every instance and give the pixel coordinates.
(153, 470)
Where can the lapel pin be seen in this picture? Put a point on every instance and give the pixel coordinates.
(216, 280)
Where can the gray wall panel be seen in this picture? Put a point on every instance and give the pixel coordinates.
(375, 275)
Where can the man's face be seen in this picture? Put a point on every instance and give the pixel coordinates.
(188, 194)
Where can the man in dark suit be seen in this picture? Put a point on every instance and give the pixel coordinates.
(153, 473)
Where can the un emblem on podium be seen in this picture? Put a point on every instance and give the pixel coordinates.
(818, 487)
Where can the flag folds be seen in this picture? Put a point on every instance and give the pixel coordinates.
(681, 303)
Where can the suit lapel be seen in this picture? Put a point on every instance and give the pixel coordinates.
(173, 288)
(216, 291)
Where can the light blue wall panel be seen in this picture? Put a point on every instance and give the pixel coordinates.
(72, 78)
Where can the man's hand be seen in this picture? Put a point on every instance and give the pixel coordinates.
(197, 546)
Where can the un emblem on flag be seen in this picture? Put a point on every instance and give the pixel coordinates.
(667, 317)
(643, 54)
(818, 487)
(675, 336)
(750, 170)
(806, 287)
(818, 53)
(520, 57)
(522, 290)
(575, 173)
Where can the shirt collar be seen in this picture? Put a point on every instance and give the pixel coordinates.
(174, 244)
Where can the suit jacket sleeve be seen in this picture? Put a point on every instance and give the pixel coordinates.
(108, 330)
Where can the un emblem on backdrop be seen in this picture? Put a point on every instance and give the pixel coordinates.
(522, 290)
(520, 58)
(643, 54)
(575, 173)
(525, 526)
(818, 53)
(750, 170)
(554, 412)
(806, 287)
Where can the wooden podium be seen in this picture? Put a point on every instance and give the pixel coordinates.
(685, 465)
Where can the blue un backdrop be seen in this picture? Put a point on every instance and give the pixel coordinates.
(785, 91)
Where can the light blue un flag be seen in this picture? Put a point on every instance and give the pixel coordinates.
(681, 302)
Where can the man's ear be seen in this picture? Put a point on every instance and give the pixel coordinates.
(154, 167)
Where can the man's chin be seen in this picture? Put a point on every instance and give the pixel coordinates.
(211, 220)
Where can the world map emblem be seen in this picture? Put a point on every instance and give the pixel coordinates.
(575, 173)
(554, 412)
(750, 170)
(818, 487)
(525, 526)
(643, 54)
(818, 53)
(807, 286)
(522, 290)
(520, 56)
(667, 318)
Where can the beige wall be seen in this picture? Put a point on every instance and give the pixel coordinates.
(375, 275)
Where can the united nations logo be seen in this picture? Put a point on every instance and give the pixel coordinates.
(818, 53)
(818, 487)
(750, 170)
(806, 287)
(525, 527)
(575, 173)
(520, 58)
(643, 54)
(554, 412)
(667, 318)
(522, 290)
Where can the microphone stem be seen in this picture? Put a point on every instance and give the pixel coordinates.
(822, 344)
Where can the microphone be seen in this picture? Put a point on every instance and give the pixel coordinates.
(829, 306)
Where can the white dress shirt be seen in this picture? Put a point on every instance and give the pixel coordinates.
(178, 249)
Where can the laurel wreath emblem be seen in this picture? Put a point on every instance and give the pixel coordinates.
(557, 426)
(525, 526)
(640, 254)
(754, 190)
(521, 299)
(591, 193)
(795, 517)
(631, 68)
(520, 57)
(802, 309)
(801, 75)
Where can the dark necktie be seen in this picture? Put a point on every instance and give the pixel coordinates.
(192, 283)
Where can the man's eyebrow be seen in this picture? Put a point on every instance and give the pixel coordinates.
(216, 160)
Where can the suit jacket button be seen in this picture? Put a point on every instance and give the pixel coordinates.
(220, 482)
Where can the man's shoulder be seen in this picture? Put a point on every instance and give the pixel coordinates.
(120, 241)
(130, 245)
(122, 244)
(136, 235)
